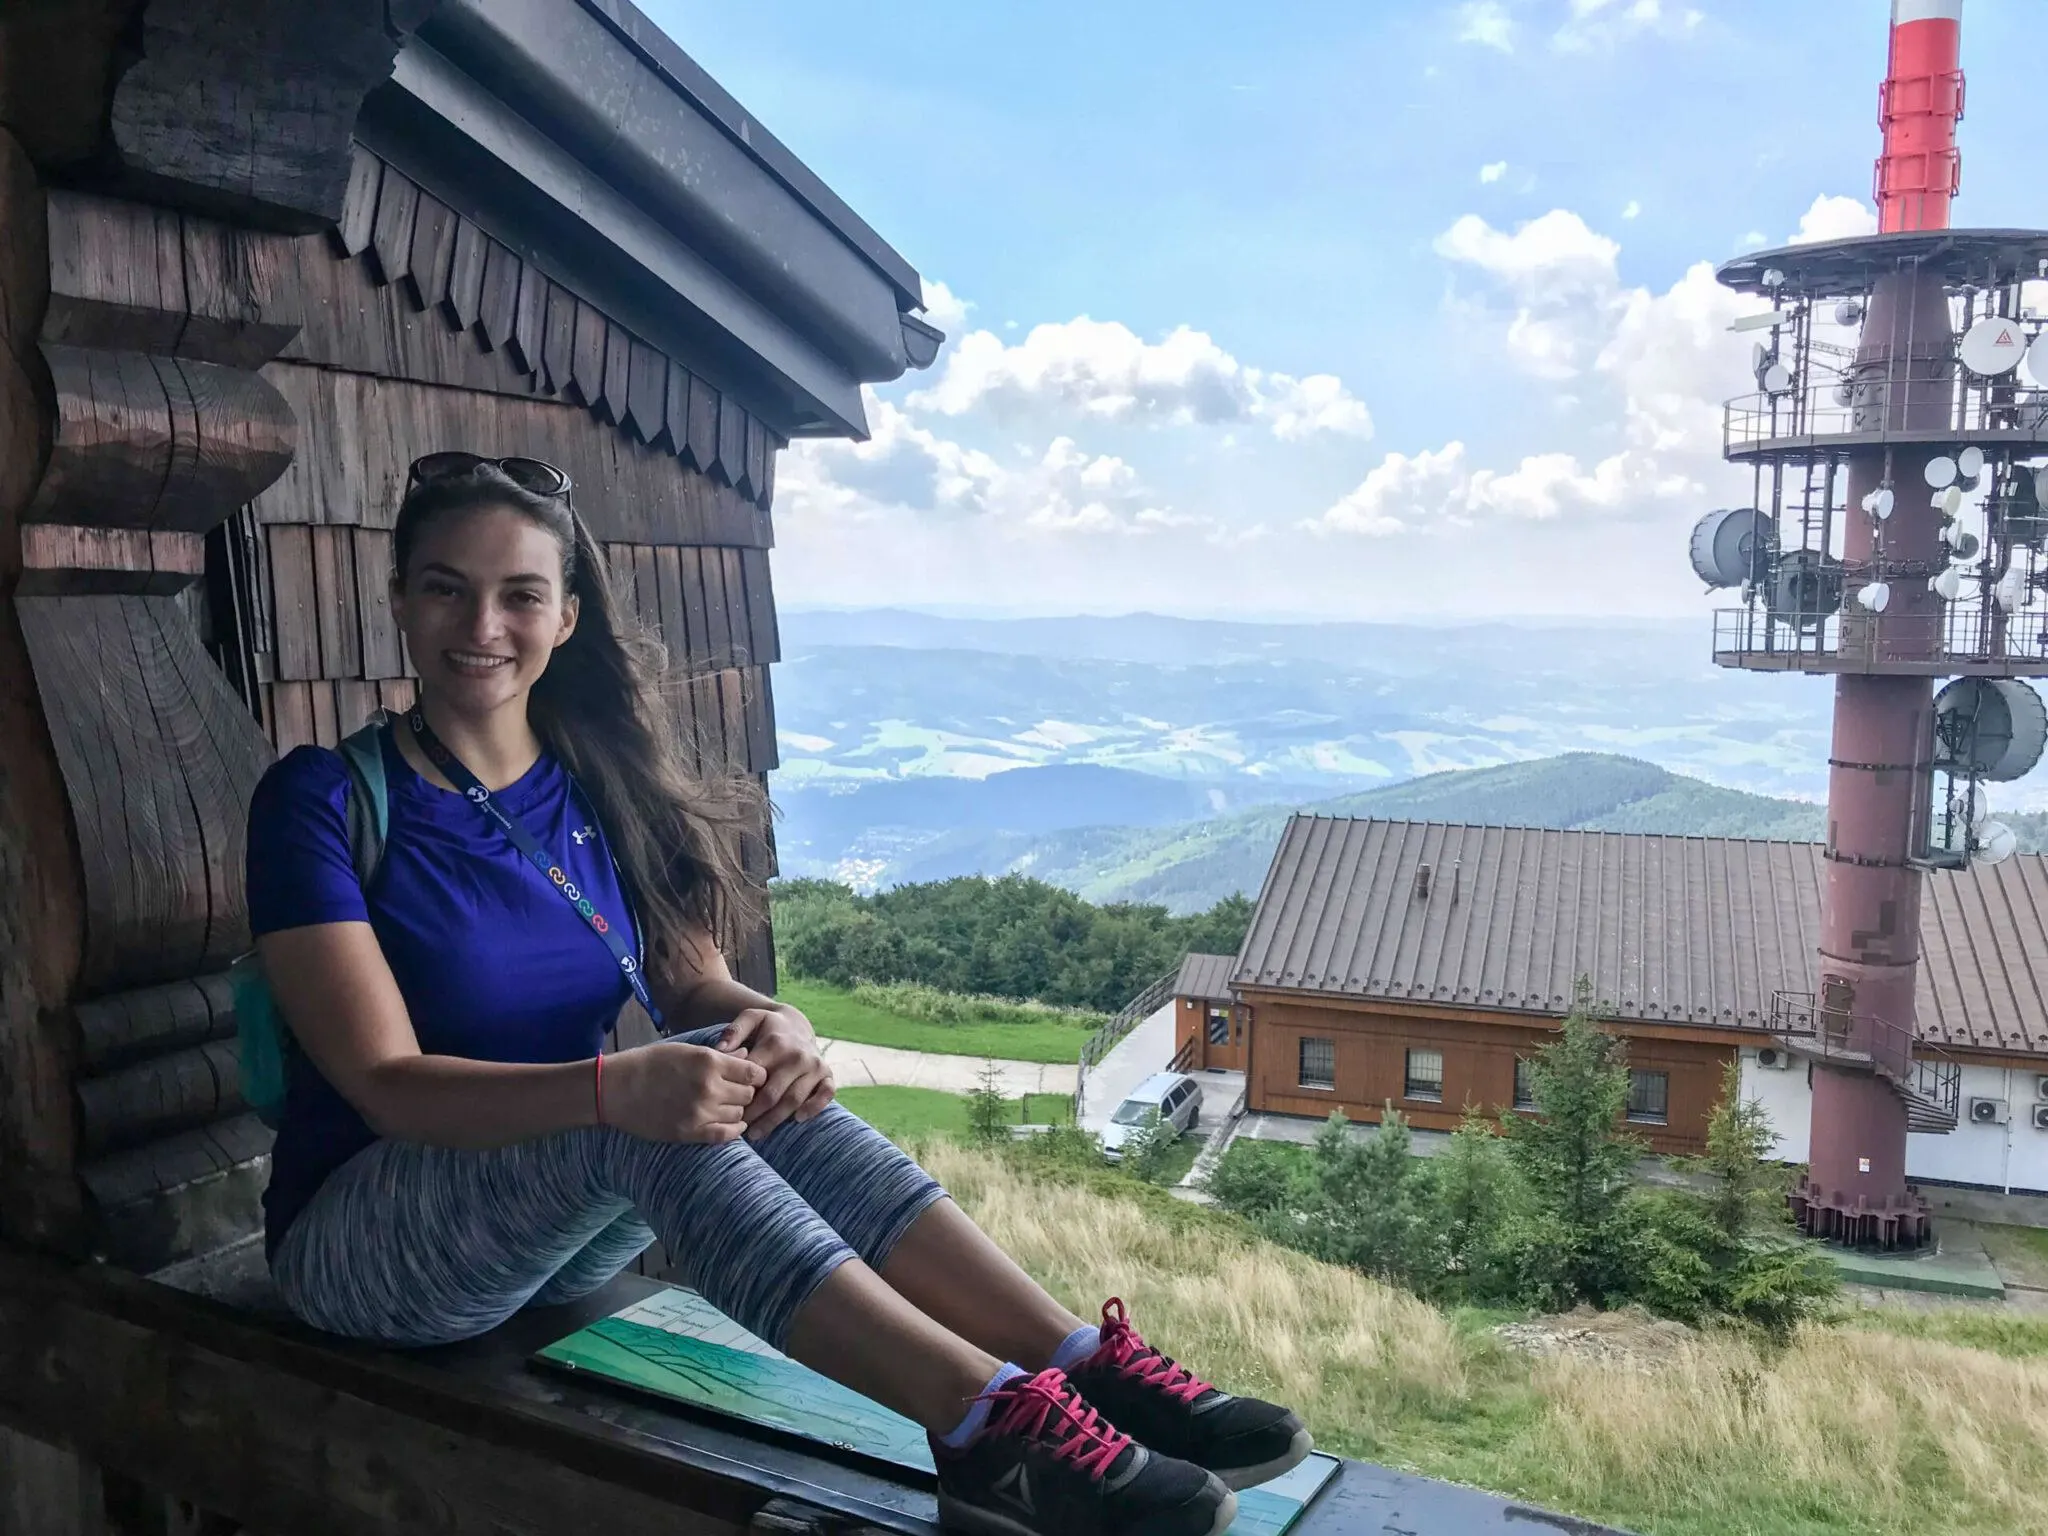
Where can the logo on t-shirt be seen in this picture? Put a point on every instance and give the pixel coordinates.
(583, 835)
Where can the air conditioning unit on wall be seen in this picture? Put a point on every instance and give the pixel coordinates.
(2041, 1117)
(1987, 1112)
(1776, 1058)
(2041, 1085)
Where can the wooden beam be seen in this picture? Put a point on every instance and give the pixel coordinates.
(41, 914)
(158, 442)
(59, 558)
(126, 276)
(160, 1097)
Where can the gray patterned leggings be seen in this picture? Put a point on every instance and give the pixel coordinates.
(410, 1245)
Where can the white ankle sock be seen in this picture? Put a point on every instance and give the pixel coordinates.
(1076, 1347)
(957, 1437)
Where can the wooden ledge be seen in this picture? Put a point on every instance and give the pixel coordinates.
(287, 1430)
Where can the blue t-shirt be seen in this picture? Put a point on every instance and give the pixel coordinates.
(493, 964)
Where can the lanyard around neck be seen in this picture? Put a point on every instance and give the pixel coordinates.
(529, 846)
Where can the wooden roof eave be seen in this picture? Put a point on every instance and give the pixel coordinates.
(610, 249)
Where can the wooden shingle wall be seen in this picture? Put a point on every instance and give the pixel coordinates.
(421, 333)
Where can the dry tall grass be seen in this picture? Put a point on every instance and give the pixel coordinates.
(1841, 1431)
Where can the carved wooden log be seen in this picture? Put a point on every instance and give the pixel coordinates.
(158, 442)
(159, 759)
(40, 907)
(129, 1027)
(130, 277)
(189, 1194)
(247, 106)
(176, 1092)
(58, 559)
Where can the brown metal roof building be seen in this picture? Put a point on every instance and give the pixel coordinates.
(1386, 956)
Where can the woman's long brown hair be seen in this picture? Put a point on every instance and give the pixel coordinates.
(605, 707)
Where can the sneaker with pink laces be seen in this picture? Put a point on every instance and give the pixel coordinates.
(1166, 1407)
(1047, 1464)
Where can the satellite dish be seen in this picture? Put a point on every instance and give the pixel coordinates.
(1993, 346)
(1773, 278)
(1941, 471)
(1874, 596)
(1777, 379)
(1991, 728)
(1970, 462)
(1963, 547)
(1849, 312)
(1996, 842)
(1950, 501)
(1947, 586)
(1733, 546)
(2037, 359)
(1805, 588)
(1879, 503)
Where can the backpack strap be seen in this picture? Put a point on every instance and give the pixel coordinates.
(369, 801)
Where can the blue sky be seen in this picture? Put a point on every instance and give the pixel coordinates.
(1324, 310)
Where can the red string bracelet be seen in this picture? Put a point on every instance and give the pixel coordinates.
(599, 1075)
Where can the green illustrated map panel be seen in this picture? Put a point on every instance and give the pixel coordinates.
(677, 1346)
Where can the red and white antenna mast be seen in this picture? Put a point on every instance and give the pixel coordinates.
(1918, 106)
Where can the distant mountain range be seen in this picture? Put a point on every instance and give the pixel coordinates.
(1157, 758)
(1190, 865)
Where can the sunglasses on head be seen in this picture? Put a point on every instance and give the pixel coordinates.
(535, 475)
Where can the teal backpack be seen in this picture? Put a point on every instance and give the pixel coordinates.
(265, 1040)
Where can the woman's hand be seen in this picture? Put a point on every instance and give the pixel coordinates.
(799, 1085)
(669, 1091)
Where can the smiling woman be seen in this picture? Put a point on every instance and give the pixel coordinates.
(453, 1146)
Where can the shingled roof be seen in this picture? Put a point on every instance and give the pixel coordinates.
(1698, 930)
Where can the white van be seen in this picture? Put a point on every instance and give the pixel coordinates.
(1176, 1097)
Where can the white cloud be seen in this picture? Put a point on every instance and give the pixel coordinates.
(1399, 493)
(1560, 276)
(1606, 23)
(1103, 371)
(1633, 210)
(1492, 171)
(1658, 364)
(906, 470)
(945, 308)
(1835, 218)
(1487, 23)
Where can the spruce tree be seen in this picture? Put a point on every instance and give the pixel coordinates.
(1575, 1162)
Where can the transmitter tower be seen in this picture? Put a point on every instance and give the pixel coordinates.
(1895, 540)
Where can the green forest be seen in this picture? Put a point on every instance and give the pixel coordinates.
(1010, 937)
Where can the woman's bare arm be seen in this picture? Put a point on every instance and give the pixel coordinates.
(337, 993)
(343, 1005)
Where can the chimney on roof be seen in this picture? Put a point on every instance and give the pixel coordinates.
(1422, 882)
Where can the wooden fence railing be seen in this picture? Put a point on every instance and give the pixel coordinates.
(1121, 1023)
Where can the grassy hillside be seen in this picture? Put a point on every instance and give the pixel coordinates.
(1192, 866)
(1846, 1431)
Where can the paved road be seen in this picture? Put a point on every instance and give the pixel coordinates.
(860, 1066)
(1145, 1050)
